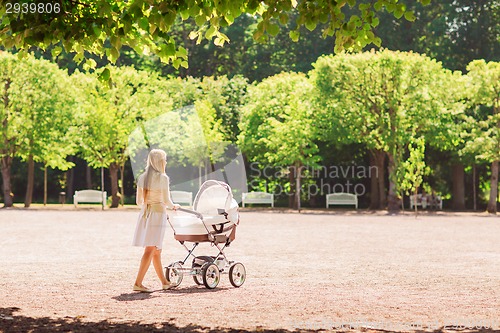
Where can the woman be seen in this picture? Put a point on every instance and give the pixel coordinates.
(153, 195)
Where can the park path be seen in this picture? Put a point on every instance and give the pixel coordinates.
(305, 271)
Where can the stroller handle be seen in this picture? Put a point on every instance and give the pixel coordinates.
(198, 215)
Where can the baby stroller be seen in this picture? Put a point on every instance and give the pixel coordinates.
(213, 220)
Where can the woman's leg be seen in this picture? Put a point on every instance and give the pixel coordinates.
(158, 266)
(145, 262)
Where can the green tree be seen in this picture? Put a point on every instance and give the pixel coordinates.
(204, 143)
(277, 127)
(203, 122)
(145, 25)
(411, 172)
(454, 32)
(243, 56)
(11, 116)
(382, 99)
(109, 115)
(485, 91)
(36, 118)
(227, 97)
(49, 125)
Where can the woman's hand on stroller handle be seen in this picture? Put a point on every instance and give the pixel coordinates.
(189, 211)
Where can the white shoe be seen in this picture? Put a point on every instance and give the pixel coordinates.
(167, 286)
(142, 289)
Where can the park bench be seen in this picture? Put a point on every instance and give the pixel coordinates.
(179, 197)
(341, 199)
(257, 198)
(89, 196)
(425, 201)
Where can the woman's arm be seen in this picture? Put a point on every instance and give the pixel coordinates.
(139, 197)
(166, 199)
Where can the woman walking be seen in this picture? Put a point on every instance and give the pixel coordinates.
(153, 196)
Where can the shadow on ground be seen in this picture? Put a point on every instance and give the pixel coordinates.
(10, 322)
(135, 296)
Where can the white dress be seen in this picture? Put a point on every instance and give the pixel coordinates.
(152, 220)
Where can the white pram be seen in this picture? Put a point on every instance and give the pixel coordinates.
(213, 219)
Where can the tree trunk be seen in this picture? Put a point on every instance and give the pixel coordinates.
(7, 190)
(113, 175)
(374, 191)
(298, 186)
(381, 180)
(45, 186)
(199, 176)
(70, 176)
(291, 197)
(474, 187)
(102, 187)
(458, 187)
(416, 206)
(492, 204)
(393, 201)
(377, 176)
(31, 179)
(6, 159)
(88, 176)
(122, 185)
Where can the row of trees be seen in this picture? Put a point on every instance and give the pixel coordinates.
(102, 27)
(392, 104)
(454, 32)
(49, 116)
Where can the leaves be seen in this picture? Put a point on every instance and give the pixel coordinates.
(483, 137)
(38, 120)
(105, 75)
(138, 23)
(379, 99)
(413, 169)
(110, 113)
(277, 123)
(294, 35)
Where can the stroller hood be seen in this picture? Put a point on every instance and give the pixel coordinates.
(216, 198)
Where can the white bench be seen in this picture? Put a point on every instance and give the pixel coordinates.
(179, 197)
(341, 199)
(425, 201)
(89, 196)
(417, 200)
(257, 198)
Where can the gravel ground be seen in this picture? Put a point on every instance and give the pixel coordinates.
(73, 270)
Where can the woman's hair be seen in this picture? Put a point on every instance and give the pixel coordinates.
(157, 161)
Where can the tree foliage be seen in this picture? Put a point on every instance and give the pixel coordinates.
(110, 113)
(277, 126)
(379, 99)
(102, 27)
(36, 115)
(411, 173)
(484, 135)
(454, 32)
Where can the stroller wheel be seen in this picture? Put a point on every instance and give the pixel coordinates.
(174, 274)
(211, 275)
(196, 280)
(237, 274)
(196, 264)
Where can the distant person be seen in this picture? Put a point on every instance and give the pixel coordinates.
(153, 196)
